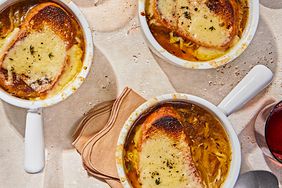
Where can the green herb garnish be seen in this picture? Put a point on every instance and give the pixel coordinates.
(50, 55)
(31, 49)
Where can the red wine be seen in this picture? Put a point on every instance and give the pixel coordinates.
(273, 132)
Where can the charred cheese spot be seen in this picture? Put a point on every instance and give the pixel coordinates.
(53, 15)
(168, 123)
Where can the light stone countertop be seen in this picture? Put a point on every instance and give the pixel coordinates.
(122, 58)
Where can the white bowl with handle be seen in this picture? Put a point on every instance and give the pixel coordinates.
(34, 137)
(256, 80)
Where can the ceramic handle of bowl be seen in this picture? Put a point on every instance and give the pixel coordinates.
(34, 142)
(254, 82)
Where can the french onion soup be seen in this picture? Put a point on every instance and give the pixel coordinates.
(197, 30)
(41, 49)
(177, 144)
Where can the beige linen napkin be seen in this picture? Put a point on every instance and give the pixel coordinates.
(97, 134)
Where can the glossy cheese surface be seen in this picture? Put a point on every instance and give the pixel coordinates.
(208, 23)
(165, 158)
(37, 59)
(165, 162)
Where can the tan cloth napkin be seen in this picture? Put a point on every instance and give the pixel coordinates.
(97, 134)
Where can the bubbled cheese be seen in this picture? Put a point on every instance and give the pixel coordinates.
(195, 20)
(165, 162)
(202, 24)
(38, 59)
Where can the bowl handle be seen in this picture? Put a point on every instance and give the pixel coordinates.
(254, 82)
(34, 142)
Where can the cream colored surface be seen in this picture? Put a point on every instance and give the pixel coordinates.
(122, 57)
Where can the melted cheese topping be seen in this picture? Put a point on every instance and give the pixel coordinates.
(165, 162)
(37, 59)
(201, 23)
(191, 19)
(75, 56)
(168, 10)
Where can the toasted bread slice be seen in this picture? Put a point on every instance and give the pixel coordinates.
(209, 23)
(163, 13)
(37, 64)
(51, 15)
(165, 159)
(37, 54)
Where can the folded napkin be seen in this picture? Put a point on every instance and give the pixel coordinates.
(97, 134)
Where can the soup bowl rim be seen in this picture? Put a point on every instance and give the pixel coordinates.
(233, 138)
